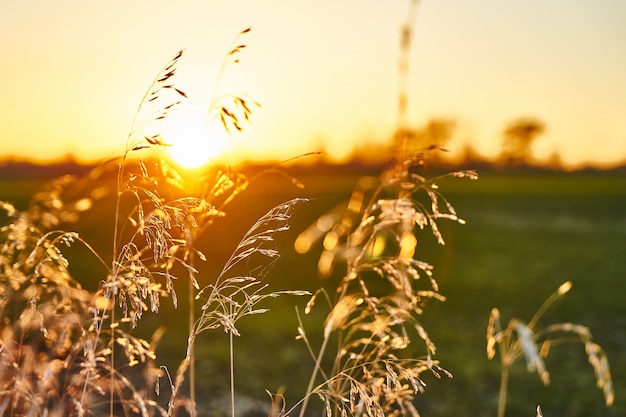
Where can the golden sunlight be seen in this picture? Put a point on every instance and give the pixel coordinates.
(194, 142)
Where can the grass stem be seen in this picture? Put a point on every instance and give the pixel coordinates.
(231, 344)
(192, 350)
(317, 369)
(502, 395)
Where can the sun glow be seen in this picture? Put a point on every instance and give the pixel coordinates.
(193, 142)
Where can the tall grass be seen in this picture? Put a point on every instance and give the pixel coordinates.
(68, 351)
(374, 312)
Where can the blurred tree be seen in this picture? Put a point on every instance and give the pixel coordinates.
(555, 161)
(518, 139)
(436, 132)
(470, 157)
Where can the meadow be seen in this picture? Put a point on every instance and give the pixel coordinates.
(526, 233)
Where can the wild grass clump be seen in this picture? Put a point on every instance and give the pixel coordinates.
(57, 344)
(374, 312)
(65, 350)
(520, 339)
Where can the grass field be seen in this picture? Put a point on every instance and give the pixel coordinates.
(525, 235)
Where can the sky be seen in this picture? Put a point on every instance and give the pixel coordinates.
(325, 73)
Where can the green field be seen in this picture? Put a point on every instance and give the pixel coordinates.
(525, 235)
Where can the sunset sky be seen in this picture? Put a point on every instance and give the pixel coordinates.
(324, 72)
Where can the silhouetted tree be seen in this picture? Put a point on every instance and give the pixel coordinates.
(555, 161)
(471, 158)
(436, 132)
(519, 136)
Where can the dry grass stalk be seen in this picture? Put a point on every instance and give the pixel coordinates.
(520, 339)
(239, 287)
(383, 291)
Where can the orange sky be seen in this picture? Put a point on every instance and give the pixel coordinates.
(325, 72)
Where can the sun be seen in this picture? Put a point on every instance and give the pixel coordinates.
(195, 147)
(193, 142)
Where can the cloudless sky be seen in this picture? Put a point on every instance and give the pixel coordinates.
(324, 71)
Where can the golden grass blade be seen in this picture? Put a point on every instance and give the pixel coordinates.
(534, 361)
